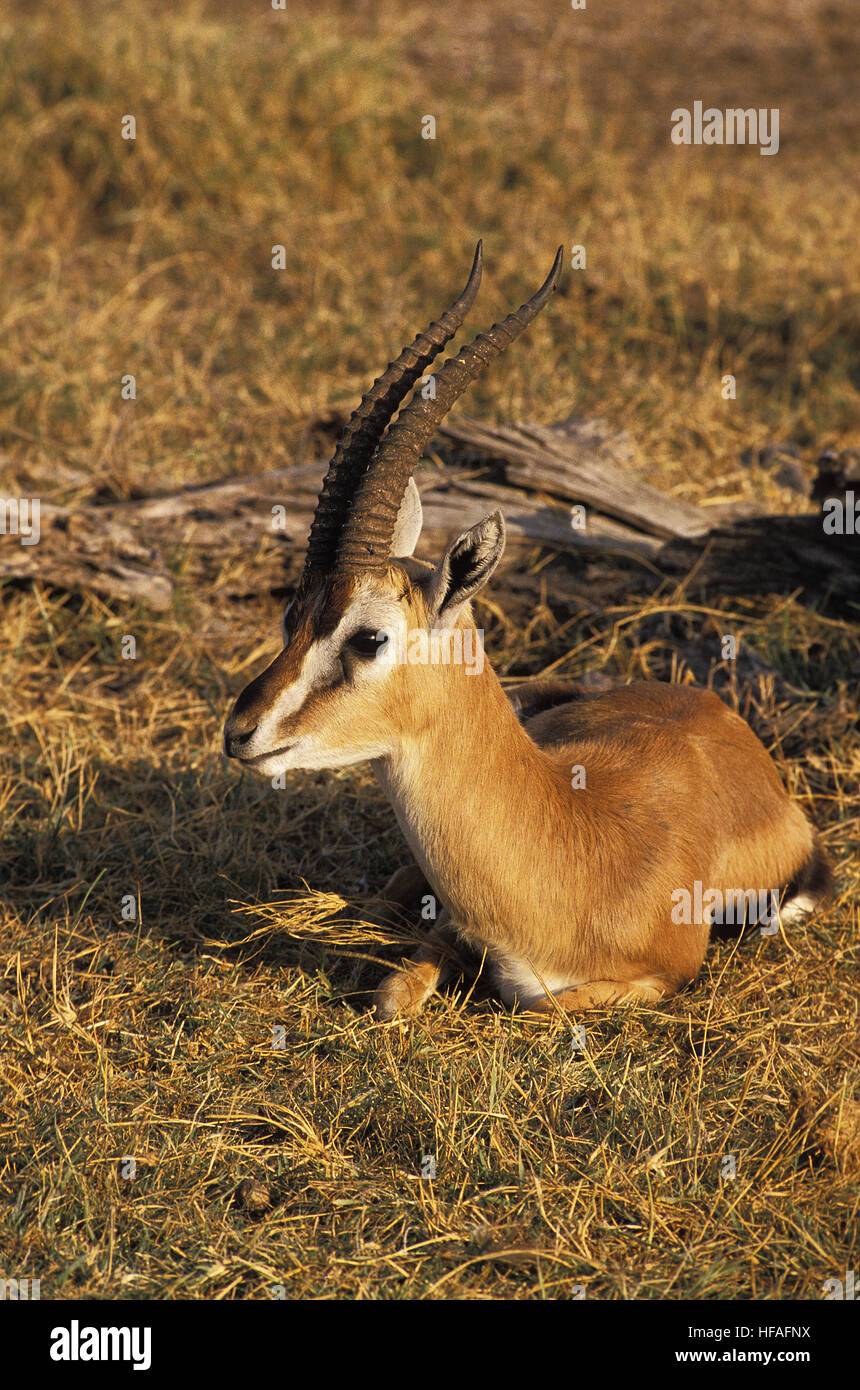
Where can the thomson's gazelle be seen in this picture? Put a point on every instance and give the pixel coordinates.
(568, 883)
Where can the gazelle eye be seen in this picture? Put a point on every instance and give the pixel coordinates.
(367, 643)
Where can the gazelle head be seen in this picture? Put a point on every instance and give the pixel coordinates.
(343, 688)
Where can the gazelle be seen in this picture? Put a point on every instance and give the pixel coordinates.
(556, 826)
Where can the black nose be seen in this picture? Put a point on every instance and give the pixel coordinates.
(234, 741)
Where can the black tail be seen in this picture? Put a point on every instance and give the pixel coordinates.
(814, 879)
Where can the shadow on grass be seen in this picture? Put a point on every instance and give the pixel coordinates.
(176, 852)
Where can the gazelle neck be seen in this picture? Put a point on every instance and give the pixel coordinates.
(478, 801)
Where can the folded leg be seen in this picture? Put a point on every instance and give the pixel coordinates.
(407, 989)
(596, 994)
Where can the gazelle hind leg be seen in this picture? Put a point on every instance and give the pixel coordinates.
(403, 890)
(405, 886)
(406, 990)
(596, 994)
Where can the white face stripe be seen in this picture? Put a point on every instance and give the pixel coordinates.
(286, 704)
(367, 610)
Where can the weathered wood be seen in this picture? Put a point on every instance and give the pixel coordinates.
(235, 511)
(86, 549)
(530, 520)
(113, 549)
(241, 509)
(575, 461)
(771, 554)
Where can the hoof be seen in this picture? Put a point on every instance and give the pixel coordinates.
(399, 993)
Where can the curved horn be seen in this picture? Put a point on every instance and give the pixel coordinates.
(366, 538)
(364, 430)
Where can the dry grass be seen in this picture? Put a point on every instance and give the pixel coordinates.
(555, 1167)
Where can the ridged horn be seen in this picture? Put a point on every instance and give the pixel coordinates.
(367, 423)
(365, 541)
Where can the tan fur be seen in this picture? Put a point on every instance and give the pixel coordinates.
(569, 891)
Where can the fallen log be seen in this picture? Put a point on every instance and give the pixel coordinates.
(112, 549)
(86, 548)
(283, 500)
(578, 460)
(771, 554)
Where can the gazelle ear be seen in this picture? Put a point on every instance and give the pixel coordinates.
(407, 527)
(465, 568)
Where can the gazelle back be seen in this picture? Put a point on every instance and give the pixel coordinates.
(584, 842)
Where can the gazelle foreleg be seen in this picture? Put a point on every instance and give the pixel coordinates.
(407, 989)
